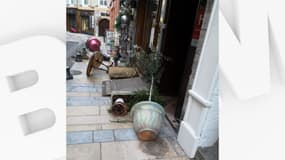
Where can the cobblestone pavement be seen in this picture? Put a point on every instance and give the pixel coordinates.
(92, 133)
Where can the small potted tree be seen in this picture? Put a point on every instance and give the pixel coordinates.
(147, 114)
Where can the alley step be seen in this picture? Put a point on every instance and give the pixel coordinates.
(123, 85)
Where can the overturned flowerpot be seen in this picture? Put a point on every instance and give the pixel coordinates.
(147, 119)
(119, 108)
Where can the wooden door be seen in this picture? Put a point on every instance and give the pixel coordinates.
(103, 26)
(175, 46)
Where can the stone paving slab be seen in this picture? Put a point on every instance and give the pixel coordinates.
(80, 85)
(103, 136)
(122, 141)
(88, 101)
(96, 73)
(80, 98)
(86, 80)
(104, 110)
(166, 132)
(97, 79)
(101, 101)
(95, 76)
(126, 150)
(80, 66)
(117, 125)
(136, 150)
(80, 137)
(83, 152)
(96, 94)
(100, 136)
(125, 134)
(177, 148)
(88, 127)
(209, 153)
(82, 111)
(82, 81)
(87, 120)
(161, 148)
(84, 87)
(78, 94)
(119, 119)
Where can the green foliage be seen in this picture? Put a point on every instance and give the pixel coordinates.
(149, 64)
(143, 95)
(118, 23)
(123, 11)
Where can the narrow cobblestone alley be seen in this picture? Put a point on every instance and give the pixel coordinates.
(92, 133)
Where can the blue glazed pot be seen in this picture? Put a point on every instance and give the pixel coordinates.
(147, 118)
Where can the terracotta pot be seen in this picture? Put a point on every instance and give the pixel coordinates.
(147, 118)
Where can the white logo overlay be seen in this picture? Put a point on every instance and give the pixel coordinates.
(252, 91)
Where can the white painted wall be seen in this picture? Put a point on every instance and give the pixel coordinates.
(83, 2)
(103, 3)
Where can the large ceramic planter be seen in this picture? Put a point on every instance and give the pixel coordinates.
(147, 119)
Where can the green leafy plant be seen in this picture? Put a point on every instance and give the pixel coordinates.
(125, 9)
(149, 64)
(118, 23)
(143, 95)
